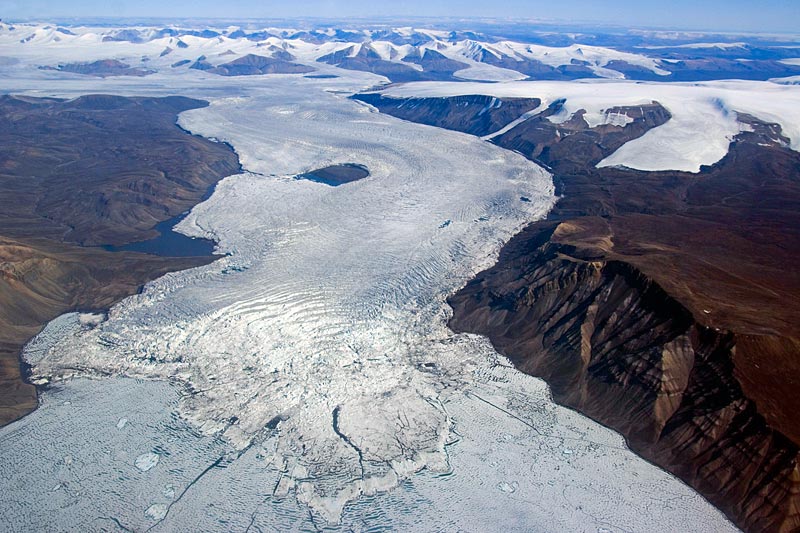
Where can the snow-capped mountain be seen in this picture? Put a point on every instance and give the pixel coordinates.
(399, 54)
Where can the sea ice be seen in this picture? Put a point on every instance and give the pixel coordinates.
(146, 461)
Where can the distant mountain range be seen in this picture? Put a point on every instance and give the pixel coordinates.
(409, 54)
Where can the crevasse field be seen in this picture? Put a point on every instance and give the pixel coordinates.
(307, 380)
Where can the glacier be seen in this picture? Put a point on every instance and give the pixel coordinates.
(307, 379)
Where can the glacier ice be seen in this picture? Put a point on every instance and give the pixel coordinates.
(337, 301)
(311, 367)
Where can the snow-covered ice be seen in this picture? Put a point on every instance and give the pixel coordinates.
(596, 57)
(46, 44)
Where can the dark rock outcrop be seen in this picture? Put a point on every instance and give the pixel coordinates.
(368, 60)
(476, 114)
(253, 65)
(102, 69)
(708, 68)
(614, 345)
(435, 66)
(201, 63)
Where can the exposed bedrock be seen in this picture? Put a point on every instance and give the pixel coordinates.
(614, 345)
(662, 304)
(432, 65)
(475, 114)
(102, 69)
(79, 173)
(101, 169)
(251, 65)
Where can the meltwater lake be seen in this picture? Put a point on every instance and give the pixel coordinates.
(169, 242)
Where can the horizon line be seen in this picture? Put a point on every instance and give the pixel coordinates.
(88, 19)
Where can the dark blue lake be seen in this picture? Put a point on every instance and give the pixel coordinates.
(169, 243)
(336, 175)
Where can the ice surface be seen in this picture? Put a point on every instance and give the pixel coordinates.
(508, 434)
(69, 468)
(330, 300)
(704, 115)
(606, 117)
(483, 72)
(146, 461)
(311, 368)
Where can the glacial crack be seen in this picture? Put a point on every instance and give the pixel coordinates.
(185, 490)
(116, 521)
(336, 412)
(541, 434)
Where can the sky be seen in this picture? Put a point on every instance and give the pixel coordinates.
(720, 15)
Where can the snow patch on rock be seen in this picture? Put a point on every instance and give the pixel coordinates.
(704, 115)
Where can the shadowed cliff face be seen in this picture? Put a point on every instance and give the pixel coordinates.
(572, 146)
(660, 303)
(475, 114)
(94, 170)
(614, 345)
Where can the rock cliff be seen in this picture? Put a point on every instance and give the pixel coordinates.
(658, 303)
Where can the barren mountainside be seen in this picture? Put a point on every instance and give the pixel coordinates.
(658, 303)
(614, 345)
(77, 174)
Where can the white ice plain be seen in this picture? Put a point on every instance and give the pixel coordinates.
(313, 362)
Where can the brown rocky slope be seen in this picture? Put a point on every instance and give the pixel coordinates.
(662, 304)
(90, 171)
